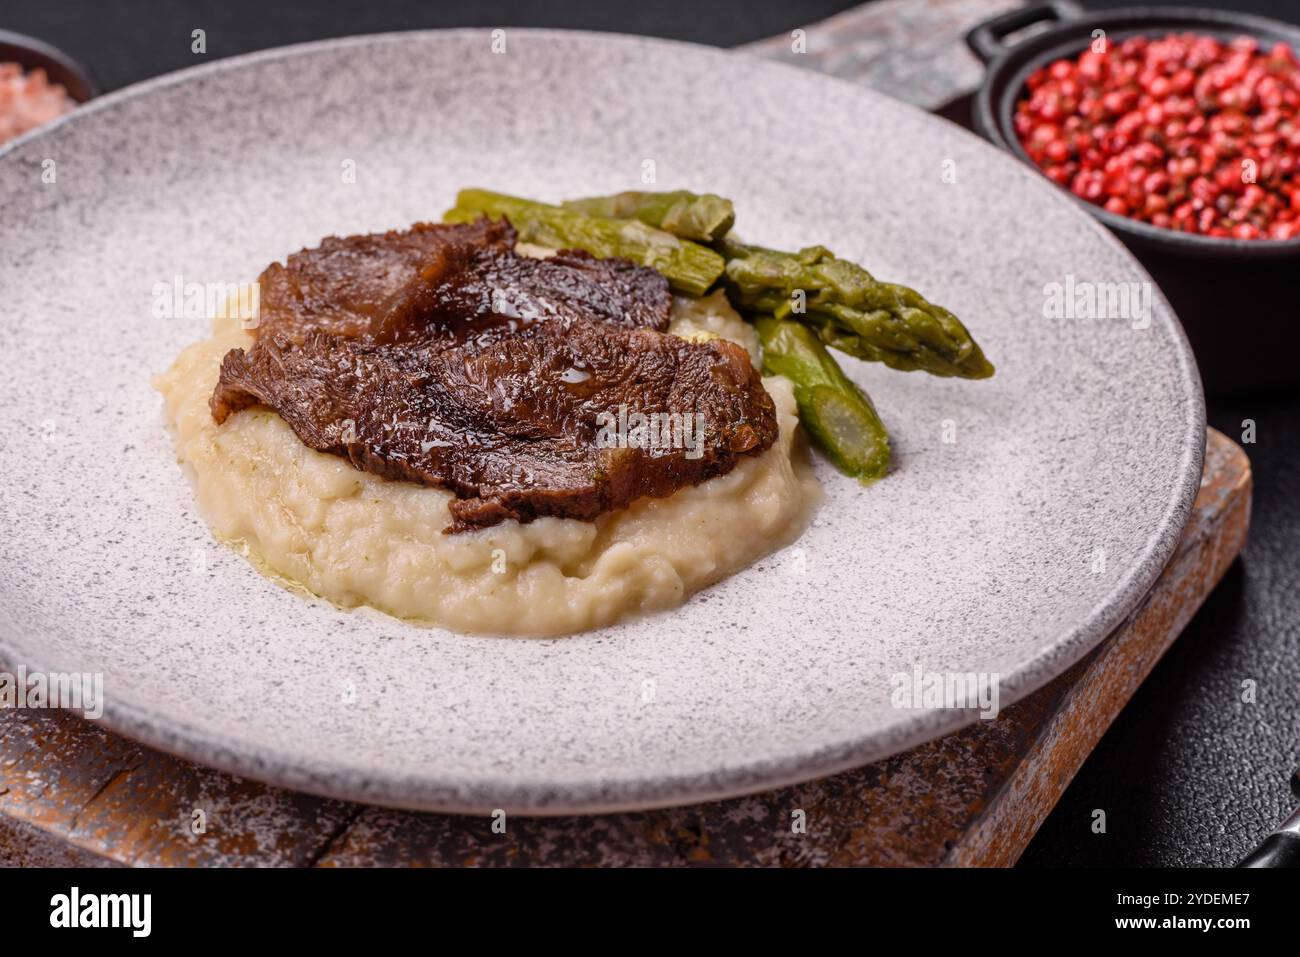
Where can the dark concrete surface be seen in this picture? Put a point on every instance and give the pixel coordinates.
(130, 40)
(1189, 774)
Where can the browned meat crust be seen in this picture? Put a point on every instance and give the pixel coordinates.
(463, 278)
(526, 387)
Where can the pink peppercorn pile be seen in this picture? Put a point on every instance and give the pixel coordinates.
(1186, 132)
(28, 99)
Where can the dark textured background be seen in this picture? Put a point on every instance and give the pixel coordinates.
(1188, 774)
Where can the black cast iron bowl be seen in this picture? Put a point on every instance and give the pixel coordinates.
(1066, 30)
(30, 54)
(1238, 299)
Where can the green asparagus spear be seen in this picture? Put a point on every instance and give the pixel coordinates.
(837, 413)
(704, 217)
(688, 267)
(851, 310)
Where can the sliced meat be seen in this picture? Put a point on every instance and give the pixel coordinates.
(347, 286)
(469, 291)
(518, 427)
(462, 278)
(525, 386)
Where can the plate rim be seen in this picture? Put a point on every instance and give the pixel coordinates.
(433, 792)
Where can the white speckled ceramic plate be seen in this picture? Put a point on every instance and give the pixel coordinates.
(1011, 549)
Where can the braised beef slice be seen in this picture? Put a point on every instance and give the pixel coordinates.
(463, 279)
(515, 387)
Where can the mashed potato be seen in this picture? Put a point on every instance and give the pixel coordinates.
(314, 521)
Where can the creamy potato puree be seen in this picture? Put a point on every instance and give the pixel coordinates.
(314, 521)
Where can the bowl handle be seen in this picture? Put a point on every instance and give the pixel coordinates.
(986, 39)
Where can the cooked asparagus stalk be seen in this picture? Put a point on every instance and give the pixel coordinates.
(837, 413)
(688, 267)
(851, 310)
(701, 217)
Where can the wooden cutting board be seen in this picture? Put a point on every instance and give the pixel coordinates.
(72, 793)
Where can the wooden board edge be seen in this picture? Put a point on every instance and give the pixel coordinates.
(1111, 676)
